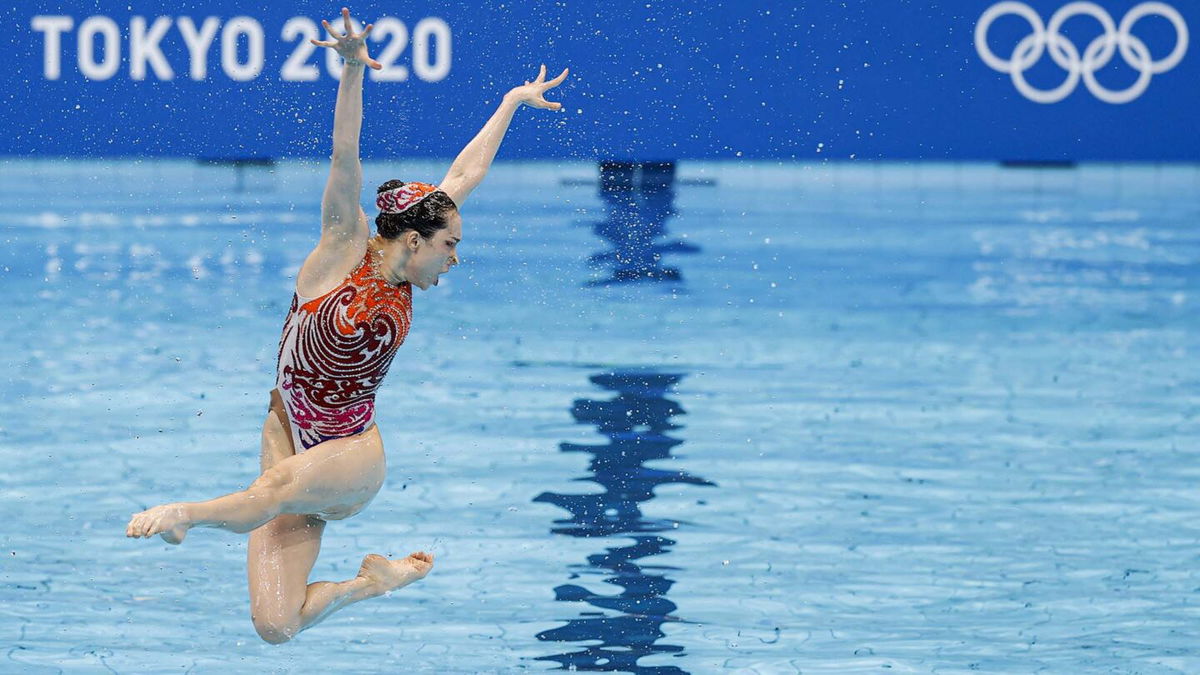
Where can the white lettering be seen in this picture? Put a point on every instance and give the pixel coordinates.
(385, 28)
(107, 67)
(99, 40)
(143, 48)
(198, 43)
(431, 27)
(238, 26)
(297, 68)
(53, 27)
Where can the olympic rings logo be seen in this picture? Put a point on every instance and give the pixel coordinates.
(1097, 54)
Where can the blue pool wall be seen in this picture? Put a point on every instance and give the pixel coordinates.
(852, 80)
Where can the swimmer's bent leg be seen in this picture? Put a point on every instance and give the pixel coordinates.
(282, 602)
(279, 616)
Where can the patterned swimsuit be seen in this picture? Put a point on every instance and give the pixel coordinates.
(335, 351)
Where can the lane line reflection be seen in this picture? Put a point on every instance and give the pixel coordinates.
(628, 628)
(639, 199)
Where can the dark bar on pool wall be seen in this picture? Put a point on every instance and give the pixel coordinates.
(1038, 163)
(239, 164)
(237, 161)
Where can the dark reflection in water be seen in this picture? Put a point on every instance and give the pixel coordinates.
(628, 626)
(639, 198)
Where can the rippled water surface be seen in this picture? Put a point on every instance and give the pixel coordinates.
(773, 419)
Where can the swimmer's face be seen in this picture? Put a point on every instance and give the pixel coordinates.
(436, 255)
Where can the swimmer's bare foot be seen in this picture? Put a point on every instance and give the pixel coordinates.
(388, 575)
(169, 521)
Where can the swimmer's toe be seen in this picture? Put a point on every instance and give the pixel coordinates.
(134, 528)
(168, 521)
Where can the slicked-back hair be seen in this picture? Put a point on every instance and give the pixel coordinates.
(426, 217)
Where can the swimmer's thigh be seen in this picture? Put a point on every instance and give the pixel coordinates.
(277, 442)
(281, 553)
(333, 479)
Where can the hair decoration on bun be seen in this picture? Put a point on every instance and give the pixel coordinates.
(403, 198)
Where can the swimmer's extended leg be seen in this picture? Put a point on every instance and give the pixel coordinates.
(238, 512)
(330, 477)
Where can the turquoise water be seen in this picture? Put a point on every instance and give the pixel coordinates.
(887, 418)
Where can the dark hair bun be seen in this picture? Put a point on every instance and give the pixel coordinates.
(426, 217)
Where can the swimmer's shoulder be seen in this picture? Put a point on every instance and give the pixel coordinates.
(328, 266)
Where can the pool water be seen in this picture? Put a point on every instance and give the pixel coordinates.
(846, 418)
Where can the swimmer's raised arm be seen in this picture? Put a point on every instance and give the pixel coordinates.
(473, 162)
(340, 221)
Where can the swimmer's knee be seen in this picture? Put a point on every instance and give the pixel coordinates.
(276, 630)
(274, 479)
(273, 635)
(274, 487)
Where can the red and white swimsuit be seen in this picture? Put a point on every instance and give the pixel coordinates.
(335, 351)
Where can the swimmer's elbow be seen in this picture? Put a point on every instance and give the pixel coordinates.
(345, 157)
(459, 184)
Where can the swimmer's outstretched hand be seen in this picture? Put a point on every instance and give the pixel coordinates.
(531, 93)
(351, 47)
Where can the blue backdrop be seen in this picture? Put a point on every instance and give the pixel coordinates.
(650, 80)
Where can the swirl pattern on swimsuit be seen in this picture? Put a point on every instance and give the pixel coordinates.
(336, 350)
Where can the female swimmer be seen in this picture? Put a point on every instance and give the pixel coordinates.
(322, 454)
